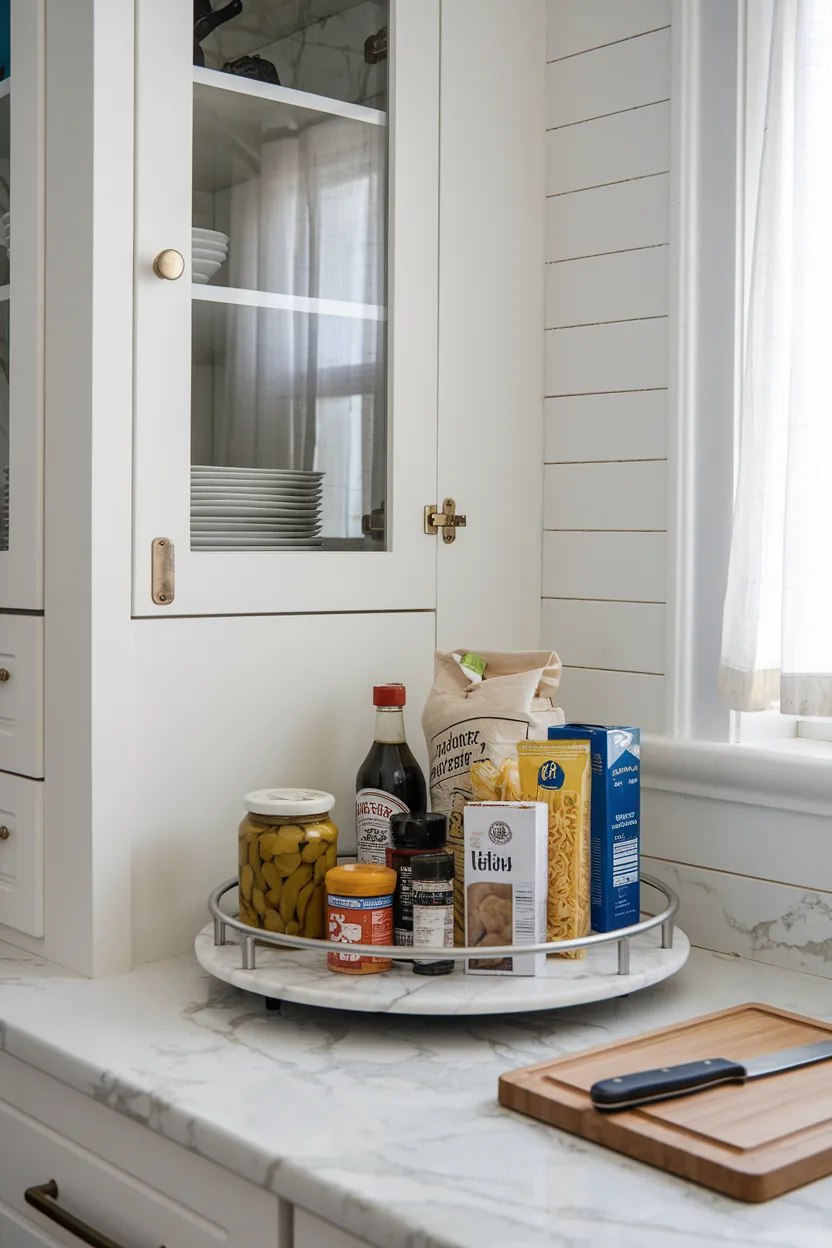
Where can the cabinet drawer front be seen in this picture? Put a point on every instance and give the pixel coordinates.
(312, 1232)
(21, 854)
(141, 1190)
(18, 1232)
(109, 1200)
(21, 694)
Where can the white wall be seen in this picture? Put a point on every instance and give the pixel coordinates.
(607, 259)
(223, 706)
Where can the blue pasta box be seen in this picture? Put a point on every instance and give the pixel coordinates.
(615, 813)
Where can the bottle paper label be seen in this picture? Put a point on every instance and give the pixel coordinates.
(403, 906)
(373, 812)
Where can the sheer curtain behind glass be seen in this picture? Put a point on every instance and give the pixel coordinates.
(777, 627)
(304, 390)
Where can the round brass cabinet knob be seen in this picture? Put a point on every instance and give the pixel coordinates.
(4, 833)
(5, 674)
(169, 264)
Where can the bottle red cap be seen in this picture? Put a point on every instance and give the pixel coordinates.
(389, 695)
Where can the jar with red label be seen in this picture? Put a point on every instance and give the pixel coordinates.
(359, 911)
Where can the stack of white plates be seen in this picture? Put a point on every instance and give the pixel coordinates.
(4, 508)
(255, 508)
(5, 231)
(209, 252)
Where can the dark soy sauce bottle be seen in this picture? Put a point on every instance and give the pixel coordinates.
(390, 781)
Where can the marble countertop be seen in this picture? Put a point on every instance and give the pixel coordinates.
(389, 1126)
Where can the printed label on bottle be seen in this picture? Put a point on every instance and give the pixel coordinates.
(403, 906)
(373, 812)
(433, 926)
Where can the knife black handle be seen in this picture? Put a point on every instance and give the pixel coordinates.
(646, 1086)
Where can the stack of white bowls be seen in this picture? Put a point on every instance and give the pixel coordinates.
(255, 508)
(4, 508)
(209, 252)
(5, 231)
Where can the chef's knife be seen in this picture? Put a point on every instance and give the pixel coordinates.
(646, 1086)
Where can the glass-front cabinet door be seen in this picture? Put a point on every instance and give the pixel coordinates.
(286, 305)
(22, 113)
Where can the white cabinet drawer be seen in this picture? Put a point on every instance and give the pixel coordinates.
(21, 854)
(18, 1232)
(21, 694)
(129, 1184)
(312, 1232)
(108, 1200)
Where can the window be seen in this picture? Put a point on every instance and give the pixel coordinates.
(777, 626)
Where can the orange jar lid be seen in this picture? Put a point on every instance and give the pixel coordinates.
(361, 879)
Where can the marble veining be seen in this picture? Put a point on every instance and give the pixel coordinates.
(758, 919)
(320, 52)
(328, 58)
(303, 978)
(389, 1126)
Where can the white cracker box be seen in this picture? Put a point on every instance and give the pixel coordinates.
(506, 880)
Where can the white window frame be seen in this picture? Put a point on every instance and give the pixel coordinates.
(766, 758)
(715, 71)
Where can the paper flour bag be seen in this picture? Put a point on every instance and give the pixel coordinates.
(480, 706)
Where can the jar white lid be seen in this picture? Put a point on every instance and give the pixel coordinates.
(292, 802)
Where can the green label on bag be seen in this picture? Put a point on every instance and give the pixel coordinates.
(474, 663)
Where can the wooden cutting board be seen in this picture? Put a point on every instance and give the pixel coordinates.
(752, 1141)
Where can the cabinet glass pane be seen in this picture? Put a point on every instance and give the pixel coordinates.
(300, 195)
(277, 389)
(289, 271)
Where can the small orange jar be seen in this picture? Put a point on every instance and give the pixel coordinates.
(359, 911)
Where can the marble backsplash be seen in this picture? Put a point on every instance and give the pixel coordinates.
(780, 924)
(328, 58)
(323, 55)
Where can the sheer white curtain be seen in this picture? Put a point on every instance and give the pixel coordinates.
(303, 390)
(777, 627)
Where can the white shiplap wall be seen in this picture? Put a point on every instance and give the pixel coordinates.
(608, 230)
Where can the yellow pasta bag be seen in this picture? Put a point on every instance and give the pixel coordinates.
(490, 783)
(559, 773)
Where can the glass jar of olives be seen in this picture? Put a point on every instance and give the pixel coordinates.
(287, 843)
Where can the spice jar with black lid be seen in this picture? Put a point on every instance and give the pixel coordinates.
(411, 835)
(433, 909)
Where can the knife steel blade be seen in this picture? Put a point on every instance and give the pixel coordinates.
(645, 1087)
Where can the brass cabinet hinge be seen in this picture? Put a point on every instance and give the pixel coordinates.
(162, 587)
(447, 520)
(375, 48)
(373, 524)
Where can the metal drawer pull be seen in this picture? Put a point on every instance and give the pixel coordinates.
(5, 674)
(43, 1199)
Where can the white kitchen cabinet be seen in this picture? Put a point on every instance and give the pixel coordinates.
(21, 854)
(313, 1232)
(21, 694)
(118, 1178)
(17, 1232)
(22, 207)
(64, 1153)
(336, 336)
(313, 346)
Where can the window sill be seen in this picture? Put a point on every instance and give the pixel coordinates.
(795, 774)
